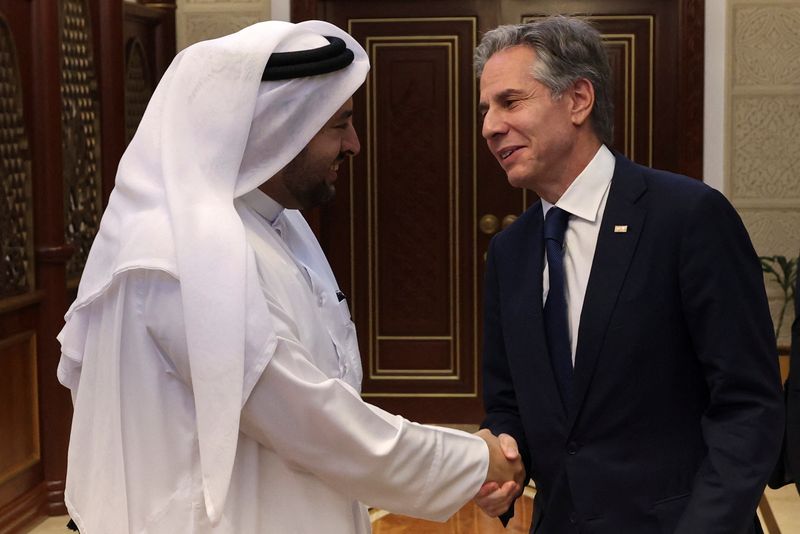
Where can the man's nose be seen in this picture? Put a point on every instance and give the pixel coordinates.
(350, 144)
(492, 125)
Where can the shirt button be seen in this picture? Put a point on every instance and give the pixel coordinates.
(321, 300)
(572, 447)
(573, 518)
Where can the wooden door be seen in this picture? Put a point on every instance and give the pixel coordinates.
(408, 232)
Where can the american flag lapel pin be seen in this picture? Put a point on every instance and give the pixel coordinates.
(620, 228)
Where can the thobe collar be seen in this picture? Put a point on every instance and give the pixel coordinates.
(266, 206)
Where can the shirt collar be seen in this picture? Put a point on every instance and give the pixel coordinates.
(263, 204)
(585, 194)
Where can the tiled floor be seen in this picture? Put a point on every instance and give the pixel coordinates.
(785, 504)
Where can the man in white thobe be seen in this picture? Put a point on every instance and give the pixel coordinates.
(211, 358)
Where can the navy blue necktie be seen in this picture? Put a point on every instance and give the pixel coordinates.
(555, 308)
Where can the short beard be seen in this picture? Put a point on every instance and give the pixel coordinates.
(318, 195)
(307, 194)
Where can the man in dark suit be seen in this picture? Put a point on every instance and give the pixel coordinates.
(628, 346)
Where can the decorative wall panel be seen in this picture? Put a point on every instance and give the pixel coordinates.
(773, 229)
(198, 20)
(16, 211)
(81, 134)
(763, 138)
(202, 26)
(766, 44)
(765, 148)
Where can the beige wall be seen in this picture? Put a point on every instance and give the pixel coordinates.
(197, 20)
(762, 114)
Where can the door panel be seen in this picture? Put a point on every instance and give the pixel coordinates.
(411, 274)
(408, 234)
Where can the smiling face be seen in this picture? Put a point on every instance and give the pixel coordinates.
(308, 180)
(537, 139)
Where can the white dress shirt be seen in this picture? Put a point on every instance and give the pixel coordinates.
(585, 200)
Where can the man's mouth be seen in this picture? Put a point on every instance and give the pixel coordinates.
(335, 165)
(506, 152)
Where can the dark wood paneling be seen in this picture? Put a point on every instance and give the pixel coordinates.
(400, 234)
(19, 419)
(690, 74)
(25, 508)
(21, 463)
(110, 62)
(413, 107)
(154, 24)
(401, 356)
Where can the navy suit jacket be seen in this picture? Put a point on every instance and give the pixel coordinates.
(678, 412)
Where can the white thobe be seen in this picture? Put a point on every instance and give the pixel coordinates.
(309, 451)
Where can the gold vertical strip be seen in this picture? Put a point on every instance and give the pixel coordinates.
(651, 67)
(475, 254)
(370, 178)
(632, 117)
(452, 83)
(352, 295)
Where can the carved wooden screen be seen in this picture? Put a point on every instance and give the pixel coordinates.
(149, 36)
(19, 417)
(138, 86)
(16, 217)
(81, 134)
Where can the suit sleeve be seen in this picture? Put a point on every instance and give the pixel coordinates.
(726, 310)
(499, 398)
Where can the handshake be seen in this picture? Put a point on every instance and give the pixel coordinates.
(506, 476)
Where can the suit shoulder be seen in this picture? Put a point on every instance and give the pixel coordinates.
(669, 188)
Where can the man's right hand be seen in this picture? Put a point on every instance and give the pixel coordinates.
(505, 478)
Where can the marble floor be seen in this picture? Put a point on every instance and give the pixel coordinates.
(784, 504)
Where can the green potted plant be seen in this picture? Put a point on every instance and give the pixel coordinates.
(784, 272)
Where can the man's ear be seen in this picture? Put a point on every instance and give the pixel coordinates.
(582, 94)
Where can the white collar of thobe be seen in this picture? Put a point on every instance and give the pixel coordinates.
(266, 206)
(585, 194)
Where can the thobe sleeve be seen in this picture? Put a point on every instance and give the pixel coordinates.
(322, 426)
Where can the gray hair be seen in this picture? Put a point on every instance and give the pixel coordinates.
(567, 49)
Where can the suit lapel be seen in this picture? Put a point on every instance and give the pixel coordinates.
(613, 255)
(525, 297)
